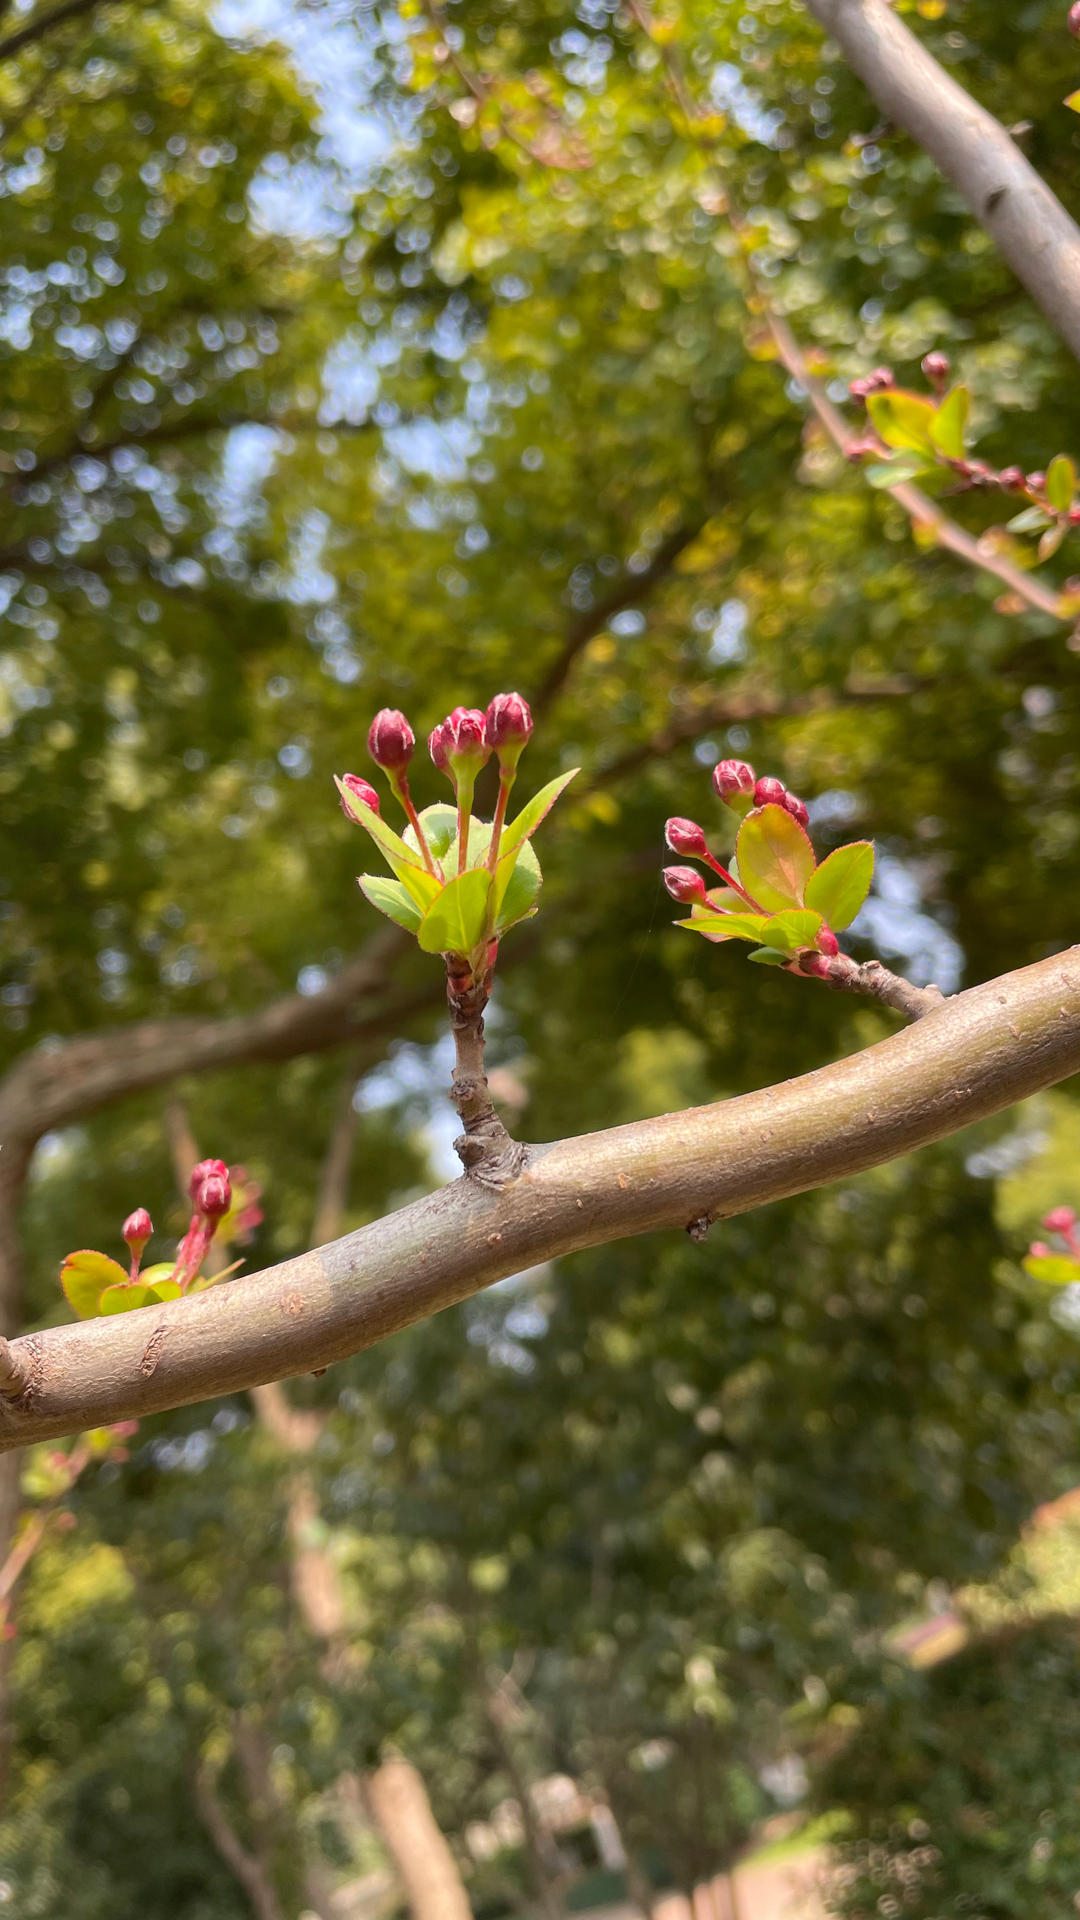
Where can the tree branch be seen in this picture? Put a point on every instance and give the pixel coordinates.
(43, 23)
(975, 1055)
(1028, 223)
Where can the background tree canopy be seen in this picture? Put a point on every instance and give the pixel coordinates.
(362, 355)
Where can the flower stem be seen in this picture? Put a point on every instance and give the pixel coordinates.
(400, 785)
(730, 880)
(464, 815)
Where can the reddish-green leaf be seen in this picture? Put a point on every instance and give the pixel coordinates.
(84, 1275)
(727, 926)
(775, 858)
(840, 885)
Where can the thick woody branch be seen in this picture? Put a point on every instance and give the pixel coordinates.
(975, 1055)
(1028, 223)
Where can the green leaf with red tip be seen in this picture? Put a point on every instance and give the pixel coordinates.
(517, 831)
(1061, 482)
(404, 861)
(839, 886)
(948, 422)
(456, 921)
(84, 1276)
(775, 858)
(391, 898)
(902, 419)
(1055, 1269)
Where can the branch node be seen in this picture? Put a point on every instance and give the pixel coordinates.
(698, 1229)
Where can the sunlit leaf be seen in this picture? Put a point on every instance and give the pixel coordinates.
(949, 421)
(790, 931)
(391, 898)
(839, 886)
(902, 419)
(1055, 1269)
(125, 1297)
(1061, 482)
(775, 858)
(521, 893)
(83, 1277)
(456, 921)
(727, 926)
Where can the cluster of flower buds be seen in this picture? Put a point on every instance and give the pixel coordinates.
(868, 383)
(1060, 1220)
(210, 1192)
(224, 1204)
(774, 891)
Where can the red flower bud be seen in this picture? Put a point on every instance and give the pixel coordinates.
(391, 740)
(214, 1196)
(770, 793)
(685, 836)
(203, 1172)
(881, 378)
(862, 387)
(1060, 1220)
(1073, 19)
(936, 368)
(1036, 482)
(684, 884)
(828, 943)
(464, 736)
(137, 1229)
(1013, 480)
(797, 809)
(1039, 1250)
(733, 779)
(361, 790)
(1074, 516)
(509, 722)
(437, 746)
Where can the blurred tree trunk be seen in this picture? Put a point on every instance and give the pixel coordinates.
(400, 1807)
(538, 1848)
(14, 1164)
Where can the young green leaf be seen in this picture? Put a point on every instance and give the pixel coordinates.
(790, 931)
(391, 898)
(440, 827)
(775, 858)
(455, 922)
(769, 957)
(1030, 520)
(890, 473)
(1061, 482)
(531, 815)
(839, 886)
(83, 1277)
(902, 419)
(519, 900)
(1056, 1269)
(727, 926)
(948, 423)
(403, 861)
(125, 1297)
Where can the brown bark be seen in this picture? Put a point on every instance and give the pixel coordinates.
(248, 1868)
(973, 1056)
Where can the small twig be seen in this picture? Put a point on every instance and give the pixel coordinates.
(870, 976)
(485, 1149)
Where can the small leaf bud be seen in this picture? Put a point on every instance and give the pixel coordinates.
(685, 836)
(361, 790)
(797, 809)
(733, 780)
(214, 1196)
(1013, 480)
(684, 884)
(391, 740)
(1060, 1220)
(508, 724)
(828, 943)
(936, 368)
(204, 1171)
(770, 793)
(137, 1229)
(1037, 482)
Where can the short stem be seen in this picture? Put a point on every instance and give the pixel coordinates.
(730, 881)
(465, 789)
(848, 976)
(506, 781)
(400, 785)
(485, 1149)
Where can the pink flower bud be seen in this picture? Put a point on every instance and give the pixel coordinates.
(1073, 19)
(1074, 516)
(1039, 1250)
(391, 740)
(882, 377)
(861, 388)
(1060, 1220)
(202, 1172)
(684, 884)
(685, 836)
(1013, 480)
(214, 1196)
(464, 737)
(828, 943)
(361, 790)
(1036, 481)
(509, 722)
(936, 368)
(797, 809)
(732, 780)
(770, 793)
(137, 1229)
(437, 747)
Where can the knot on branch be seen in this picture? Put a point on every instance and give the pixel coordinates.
(870, 977)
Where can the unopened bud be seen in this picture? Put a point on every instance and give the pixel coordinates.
(770, 793)
(437, 747)
(508, 725)
(1074, 516)
(1036, 481)
(881, 378)
(1039, 1250)
(684, 884)
(1013, 479)
(204, 1171)
(137, 1229)
(936, 368)
(733, 780)
(1073, 19)
(861, 388)
(685, 836)
(815, 965)
(797, 809)
(214, 1196)
(361, 791)
(828, 943)
(1060, 1220)
(464, 739)
(391, 740)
